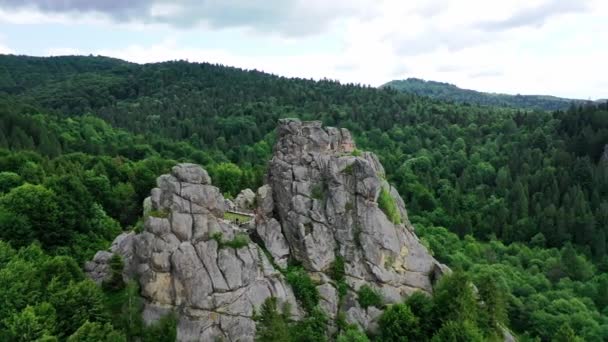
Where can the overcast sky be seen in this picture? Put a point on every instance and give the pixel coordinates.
(557, 47)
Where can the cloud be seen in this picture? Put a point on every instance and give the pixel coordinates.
(5, 50)
(486, 73)
(535, 16)
(284, 17)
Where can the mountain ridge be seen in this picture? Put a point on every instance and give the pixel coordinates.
(450, 92)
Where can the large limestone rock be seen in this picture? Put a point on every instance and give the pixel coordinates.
(320, 203)
(181, 267)
(325, 198)
(245, 200)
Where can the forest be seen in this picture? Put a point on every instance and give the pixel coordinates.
(511, 197)
(450, 92)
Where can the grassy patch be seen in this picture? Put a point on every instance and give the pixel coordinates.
(236, 218)
(318, 192)
(386, 202)
(348, 169)
(159, 213)
(349, 205)
(367, 297)
(356, 153)
(240, 240)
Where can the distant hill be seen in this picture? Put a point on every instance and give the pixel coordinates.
(450, 92)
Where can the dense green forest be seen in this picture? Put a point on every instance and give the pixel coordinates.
(450, 92)
(517, 196)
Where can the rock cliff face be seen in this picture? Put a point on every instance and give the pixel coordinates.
(326, 201)
(320, 204)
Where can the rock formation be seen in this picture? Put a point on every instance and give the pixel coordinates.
(325, 197)
(320, 204)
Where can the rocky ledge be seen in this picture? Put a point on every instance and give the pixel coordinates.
(324, 201)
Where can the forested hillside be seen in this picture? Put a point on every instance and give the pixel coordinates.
(450, 92)
(517, 196)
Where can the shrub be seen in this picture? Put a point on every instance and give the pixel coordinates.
(421, 306)
(312, 328)
(352, 334)
(318, 192)
(96, 332)
(398, 323)
(115, 282)
(454, 299)
(348, 170)
(367, 296)
(240, 240)
(458, 331)
(388, 206)
(336, 270)
(303, 287)
(164, 330)
(272, 325)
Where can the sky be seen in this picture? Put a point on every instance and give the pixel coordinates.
(556, 47)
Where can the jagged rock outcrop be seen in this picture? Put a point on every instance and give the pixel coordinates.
(183, 264)
(325, 196)
(320, 203)
(245, 200)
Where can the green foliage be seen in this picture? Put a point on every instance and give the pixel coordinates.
(367, 296)
(36, 208)
(318, 192)
(565, 334)
(450, 92)
(9, 180)
(493, 310)
(348, 170)
(116, 281)
(398, 324)
(336, 269)
(454, 299)
(31, 323)
(352, 334)
(76, 304)
(96, 332)
(303, 287)
(164, 330)
(458, 331)
(236, 217)
(422, 306)
(496, 177)
(537, 301)
(240, 240)
(312, 328)
(159, 213)
(337, 272)
(227, 176)
(386, 202)
(271, 324)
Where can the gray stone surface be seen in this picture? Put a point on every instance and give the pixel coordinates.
(191, 173)
(215, 291)
(245, 200)
(320, 203)
(325, 200)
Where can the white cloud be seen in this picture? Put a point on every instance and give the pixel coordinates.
(4, 50)
(514, 46)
